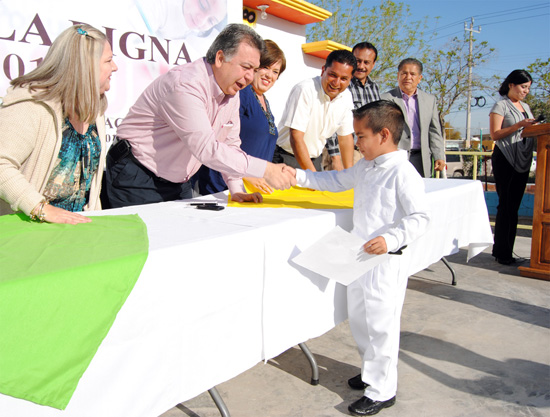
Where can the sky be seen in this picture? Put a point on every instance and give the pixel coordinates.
(519, 30)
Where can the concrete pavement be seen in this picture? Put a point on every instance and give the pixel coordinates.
(479, 349)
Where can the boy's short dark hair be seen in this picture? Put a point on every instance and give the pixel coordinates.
(343, 57)
(381, 114)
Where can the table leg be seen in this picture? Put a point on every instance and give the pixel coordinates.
(219, 402)
(313, 363)
(450, 269)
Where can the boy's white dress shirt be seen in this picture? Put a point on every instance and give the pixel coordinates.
(388, 198)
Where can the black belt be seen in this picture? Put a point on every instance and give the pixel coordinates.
(282, 151)
(119, 150)
(415, 151)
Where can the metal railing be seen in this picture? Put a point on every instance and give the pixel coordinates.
(475, 154)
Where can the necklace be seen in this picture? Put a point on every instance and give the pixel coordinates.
(267, 113)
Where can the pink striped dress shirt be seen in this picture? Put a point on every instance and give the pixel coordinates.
(183, 120)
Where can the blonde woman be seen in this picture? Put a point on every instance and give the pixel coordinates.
(52, 130)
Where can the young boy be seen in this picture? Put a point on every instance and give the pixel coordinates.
(389, 212)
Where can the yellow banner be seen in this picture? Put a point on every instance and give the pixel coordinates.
(297, 197)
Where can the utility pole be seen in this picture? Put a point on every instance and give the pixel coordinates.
(470, 65)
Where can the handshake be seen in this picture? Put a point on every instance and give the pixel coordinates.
(280, 176)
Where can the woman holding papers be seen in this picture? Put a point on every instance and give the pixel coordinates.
(52, 130)
(511, 159)
(258, 130)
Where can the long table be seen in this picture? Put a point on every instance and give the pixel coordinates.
(217, 295)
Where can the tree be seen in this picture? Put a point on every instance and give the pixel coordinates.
(539, 97)
(387, 26)
(450, 132)
(446, 73)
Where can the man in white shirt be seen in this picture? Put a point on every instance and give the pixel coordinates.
(316, 109)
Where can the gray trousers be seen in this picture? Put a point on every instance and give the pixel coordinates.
(415, 158)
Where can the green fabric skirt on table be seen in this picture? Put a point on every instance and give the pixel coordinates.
(61, 287)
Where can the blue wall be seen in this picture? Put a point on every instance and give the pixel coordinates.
(525, 210)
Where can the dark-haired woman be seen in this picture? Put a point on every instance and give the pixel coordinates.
(511, 159)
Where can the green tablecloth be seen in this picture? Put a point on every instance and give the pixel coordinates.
(61, 287)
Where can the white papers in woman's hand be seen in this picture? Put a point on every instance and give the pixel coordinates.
(339, 256)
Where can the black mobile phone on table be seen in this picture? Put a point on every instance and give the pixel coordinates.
(210, 207)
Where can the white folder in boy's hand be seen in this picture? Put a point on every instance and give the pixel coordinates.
(339, 256)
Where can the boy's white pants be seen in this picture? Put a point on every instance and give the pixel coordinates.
(375, 302)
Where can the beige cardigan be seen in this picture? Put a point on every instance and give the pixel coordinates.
(30, 139)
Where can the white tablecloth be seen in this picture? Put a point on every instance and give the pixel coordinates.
(217, 295)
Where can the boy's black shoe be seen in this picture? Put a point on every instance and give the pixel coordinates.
(357, 383)
(367, 407)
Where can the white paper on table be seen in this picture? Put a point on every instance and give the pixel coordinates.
(339, 256)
